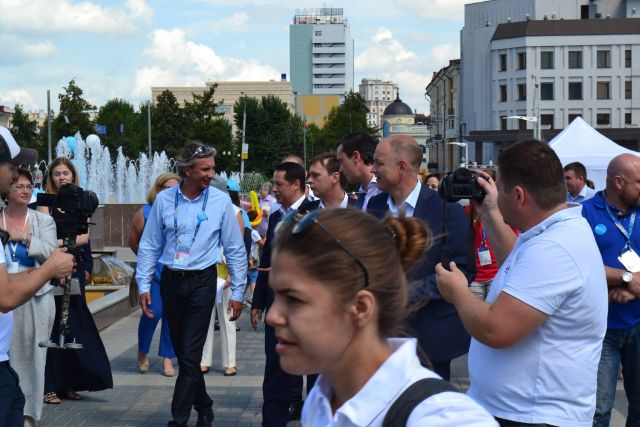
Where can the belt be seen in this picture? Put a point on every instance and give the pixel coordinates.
(186, 274)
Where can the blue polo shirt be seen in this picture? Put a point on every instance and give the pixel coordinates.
(611, 242)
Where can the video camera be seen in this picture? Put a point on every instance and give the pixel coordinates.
(460, 184)
(71, 209)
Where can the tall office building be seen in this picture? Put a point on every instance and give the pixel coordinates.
(377, 95)
(321, 52)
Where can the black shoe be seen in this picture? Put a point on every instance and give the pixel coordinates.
(175, 424)
(295, 411)
(205, 418)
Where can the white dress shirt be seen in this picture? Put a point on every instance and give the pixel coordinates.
(409, 205)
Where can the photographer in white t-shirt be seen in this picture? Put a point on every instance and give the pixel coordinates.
(16, 289)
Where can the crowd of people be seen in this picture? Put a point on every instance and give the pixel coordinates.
(367, 296)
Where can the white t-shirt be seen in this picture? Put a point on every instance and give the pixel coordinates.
(549, 376)
(6, 324)
(370, 405)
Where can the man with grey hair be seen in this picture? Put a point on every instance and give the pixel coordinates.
(436, 324)
(186, 230)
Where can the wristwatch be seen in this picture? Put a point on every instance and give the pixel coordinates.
(627, 277)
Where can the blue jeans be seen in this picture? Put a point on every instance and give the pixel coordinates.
(147, 326)
(619, 346)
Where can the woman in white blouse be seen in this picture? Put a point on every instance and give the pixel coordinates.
(340, 295)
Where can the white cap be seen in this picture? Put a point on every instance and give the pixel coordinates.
(10, 151)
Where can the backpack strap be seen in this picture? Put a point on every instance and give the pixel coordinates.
(421, 390)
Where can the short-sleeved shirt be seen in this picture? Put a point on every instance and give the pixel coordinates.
(6, 324)
(549, 376)
(372, 402)
(611, 242)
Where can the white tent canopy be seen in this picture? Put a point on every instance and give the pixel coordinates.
(579, 142)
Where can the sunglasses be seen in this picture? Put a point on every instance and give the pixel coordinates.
(302, 225)
(202, 151)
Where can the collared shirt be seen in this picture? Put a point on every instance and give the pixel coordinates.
(584, 194)
(6, 324)
(158, 241)
(372, 190)
(611, 242)
(548, 377)
(370, 405)
(343, 204)
(293, 207)
(409, 205)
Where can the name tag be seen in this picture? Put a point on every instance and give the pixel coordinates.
(630, 260)
(181, 258)
(484, 256)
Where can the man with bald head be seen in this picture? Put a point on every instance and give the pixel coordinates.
(436, 324)
(612, 215)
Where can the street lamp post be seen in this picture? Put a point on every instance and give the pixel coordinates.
(244, 131)
(466, 151)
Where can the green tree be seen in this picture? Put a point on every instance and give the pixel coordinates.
(26, 132)
(349, 117)
(119, 116)
(76, 110)
(167, 125)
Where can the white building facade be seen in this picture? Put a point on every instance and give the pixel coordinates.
(553, 60)
(321, 52)
(377, 95)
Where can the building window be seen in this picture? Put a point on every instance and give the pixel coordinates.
(546, 91)
(546, 60)
(575, 90)
(546, 120)
(575, 59)
(603, 119)
(522, 124)
(503, 122)
(318, 33)
(572, 117)
(503, 93)
(604, 59)
(503, 62)
(602, 91)
(627, 118)
(522, 61)
(522, 92)
(627, 58)
(627, 89)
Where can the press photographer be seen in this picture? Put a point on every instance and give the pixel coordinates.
(16, 289)
(70, 369)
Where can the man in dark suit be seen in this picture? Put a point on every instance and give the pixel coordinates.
(436, 323)
(289, 189)
(355, 154)
(327, 182)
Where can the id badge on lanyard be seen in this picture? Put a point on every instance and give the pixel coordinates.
(13, 266)
(181, 258)
(630, 259)
(183, 250)
(484, 256)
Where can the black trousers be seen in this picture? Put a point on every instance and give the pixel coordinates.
(11, 397)
(188, 299)
(276, 386)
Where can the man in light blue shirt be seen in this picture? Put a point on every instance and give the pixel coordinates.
(186, 230)
(575, 175)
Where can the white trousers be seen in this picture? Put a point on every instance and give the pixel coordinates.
(227, 334)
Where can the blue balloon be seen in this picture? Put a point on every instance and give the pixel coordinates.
(71, 142)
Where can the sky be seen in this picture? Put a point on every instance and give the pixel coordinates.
(121, 48)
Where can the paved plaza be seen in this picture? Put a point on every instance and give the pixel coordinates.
(145, 400)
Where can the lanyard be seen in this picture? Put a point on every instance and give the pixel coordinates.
(483, 242)
(13, 246)
(201, 216)
(632, 221)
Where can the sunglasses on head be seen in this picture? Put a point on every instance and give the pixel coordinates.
(302, 225)
(202, 151)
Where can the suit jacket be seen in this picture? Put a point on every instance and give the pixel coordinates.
(436, 323)
(262, 295)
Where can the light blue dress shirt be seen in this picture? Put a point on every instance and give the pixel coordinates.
(220, 228)
(585, 194)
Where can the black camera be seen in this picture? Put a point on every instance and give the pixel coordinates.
(71, 208)
(461, 184)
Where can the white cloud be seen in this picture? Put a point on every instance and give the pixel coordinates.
(172, 60)
(450, 10)
(17, 96)
(16, 50)
(387, 58)
(40, 50)
(66, 16)
(235, 21)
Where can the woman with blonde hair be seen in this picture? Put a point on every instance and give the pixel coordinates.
(69, 371)
(147, 325)
(340, 301)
